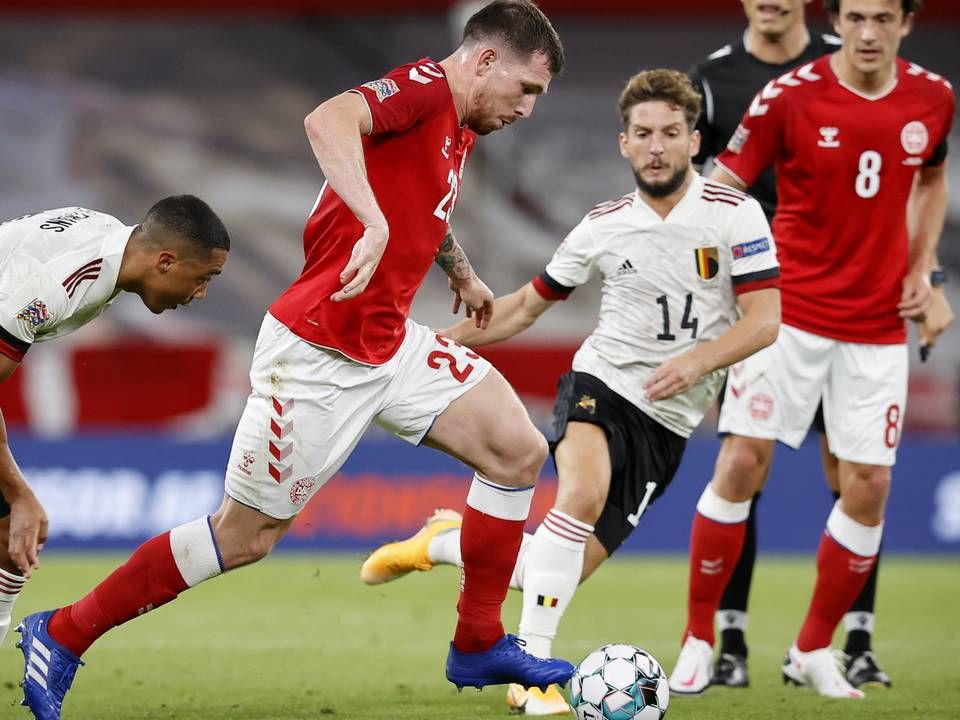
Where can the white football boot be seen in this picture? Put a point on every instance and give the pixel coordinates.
(691, 674)
(820, 670)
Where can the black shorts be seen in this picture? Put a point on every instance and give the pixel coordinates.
(4, 508)
(641, 450)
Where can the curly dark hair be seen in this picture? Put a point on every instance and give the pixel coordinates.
(521, 26)
(909, 6)
(671, 86)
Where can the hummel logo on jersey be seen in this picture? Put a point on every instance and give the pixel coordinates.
(711, 567)
(626, 268)
(828, 137)
(445, 150)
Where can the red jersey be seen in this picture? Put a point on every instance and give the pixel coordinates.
(414, 157)
(845, 165)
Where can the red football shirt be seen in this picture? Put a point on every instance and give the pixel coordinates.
(845, 165)
(414, 157)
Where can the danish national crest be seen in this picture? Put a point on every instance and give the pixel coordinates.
(707, 264)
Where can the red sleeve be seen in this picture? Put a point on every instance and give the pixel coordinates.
(406, 96)
(756, 142)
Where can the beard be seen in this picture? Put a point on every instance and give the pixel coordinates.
(665, 188)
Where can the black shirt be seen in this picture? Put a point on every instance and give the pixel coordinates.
(728, 79)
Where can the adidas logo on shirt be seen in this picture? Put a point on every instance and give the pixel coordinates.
(626, 267)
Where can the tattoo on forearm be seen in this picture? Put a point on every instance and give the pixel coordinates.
(453, 260)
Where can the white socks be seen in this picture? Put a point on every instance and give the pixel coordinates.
(731, 620)
(444, 549)
(859, 620)
(195, 551)
(10, 586)
(551, 571)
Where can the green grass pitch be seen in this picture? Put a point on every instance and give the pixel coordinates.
(299, 636)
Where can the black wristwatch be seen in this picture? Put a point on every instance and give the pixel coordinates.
(938, 277)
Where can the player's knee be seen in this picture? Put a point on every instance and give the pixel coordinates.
(741, 468)
(518, 462)
(241, 545)
(866, 486)
(581, 497)
(238, 554)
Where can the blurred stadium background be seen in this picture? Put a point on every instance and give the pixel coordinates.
(125, 426)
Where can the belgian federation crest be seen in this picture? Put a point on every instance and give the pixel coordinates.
(707, 263)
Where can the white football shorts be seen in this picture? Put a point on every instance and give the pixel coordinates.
(309, 406)
(774, 395)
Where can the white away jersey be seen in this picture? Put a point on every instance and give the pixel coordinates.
(667, 285)
(58, 271)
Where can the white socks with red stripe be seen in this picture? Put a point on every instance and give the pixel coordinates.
(551, 572)
(444, 549)
(10, 587)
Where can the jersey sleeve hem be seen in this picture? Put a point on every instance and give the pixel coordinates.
(367, 103)
(731, 173)
(759, 280)
(12, 346)
(550, 289)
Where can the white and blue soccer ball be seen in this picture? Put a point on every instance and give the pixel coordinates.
(619, 682)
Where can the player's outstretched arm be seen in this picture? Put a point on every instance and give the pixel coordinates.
(28, 521)
(512, 314)
(926, 214)
(334, 130)
(757, 327)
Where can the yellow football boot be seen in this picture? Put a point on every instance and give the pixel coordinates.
(536, 702)
(394, 560)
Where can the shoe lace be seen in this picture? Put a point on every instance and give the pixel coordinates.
(521, 645)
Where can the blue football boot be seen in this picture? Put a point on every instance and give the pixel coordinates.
(504, 663)
(48, 667)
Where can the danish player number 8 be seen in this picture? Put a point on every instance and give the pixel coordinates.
(868, 178)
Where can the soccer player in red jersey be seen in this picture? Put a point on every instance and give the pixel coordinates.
(336, 352)
(856, 138)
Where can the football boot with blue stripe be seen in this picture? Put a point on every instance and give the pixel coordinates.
(48, 667)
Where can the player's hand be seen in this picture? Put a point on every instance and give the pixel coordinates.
(476, 296)
(364, 260)
(28, 532)
(675, 376)
(915, 298)
(937, 318)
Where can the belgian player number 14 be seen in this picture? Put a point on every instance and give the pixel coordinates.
(686, 322)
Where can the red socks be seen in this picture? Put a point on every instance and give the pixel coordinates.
(147, 580)
(490, 539)
(841, 575)
(714, 550)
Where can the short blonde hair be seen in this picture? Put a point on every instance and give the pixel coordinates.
(670, 86)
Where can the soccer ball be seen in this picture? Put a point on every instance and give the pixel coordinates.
(619, 682)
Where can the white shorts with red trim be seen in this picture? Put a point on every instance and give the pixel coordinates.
(309, 406)
(774, 395)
